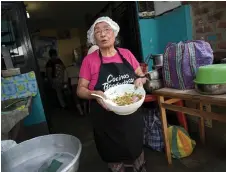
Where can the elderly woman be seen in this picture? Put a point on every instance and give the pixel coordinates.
(118, 138)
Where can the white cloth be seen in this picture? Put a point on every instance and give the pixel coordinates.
(92, 49)
(113, 25)
(7, 144)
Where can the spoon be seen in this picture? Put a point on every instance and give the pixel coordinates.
(96, 95)
(106, 100)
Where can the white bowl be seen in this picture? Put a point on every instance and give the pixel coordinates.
(120, 90)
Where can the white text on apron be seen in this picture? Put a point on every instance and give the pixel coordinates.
(114, 81)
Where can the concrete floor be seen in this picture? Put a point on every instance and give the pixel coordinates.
(204, 159)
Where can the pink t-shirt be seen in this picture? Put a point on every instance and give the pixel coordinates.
(91, 65)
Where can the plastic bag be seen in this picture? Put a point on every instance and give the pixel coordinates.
(153, 136)
(180, 142)
(181, 61)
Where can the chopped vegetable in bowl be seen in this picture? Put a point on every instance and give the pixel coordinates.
(127, 99)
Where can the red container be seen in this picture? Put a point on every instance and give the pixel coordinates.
(144, 67)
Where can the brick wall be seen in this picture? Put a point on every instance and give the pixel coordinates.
(209, 23)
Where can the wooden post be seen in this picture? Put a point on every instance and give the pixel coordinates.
(7, 58)
(165, 129)
(202, 125)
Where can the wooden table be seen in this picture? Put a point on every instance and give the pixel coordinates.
(174, 95)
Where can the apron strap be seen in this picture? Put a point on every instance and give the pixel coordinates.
(128, 64)
(123, 59)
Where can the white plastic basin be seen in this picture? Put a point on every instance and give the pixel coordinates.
(32, 154)
(120, 90)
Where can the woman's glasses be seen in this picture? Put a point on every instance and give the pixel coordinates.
(105, 31)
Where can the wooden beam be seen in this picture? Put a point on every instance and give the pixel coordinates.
(191, 95)
(165, 129)
(202, 125)
(195, 112)
(171, 101)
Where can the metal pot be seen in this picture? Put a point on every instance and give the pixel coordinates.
(211, 89)
(157, 59)
(152, 85)
(154, 74)
(223, 61)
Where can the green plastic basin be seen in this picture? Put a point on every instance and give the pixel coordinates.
(211, 74)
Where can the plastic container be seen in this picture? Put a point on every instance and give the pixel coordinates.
(211, 74)
(120, 90)
(38, 154)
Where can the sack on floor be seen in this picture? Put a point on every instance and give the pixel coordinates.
(180, 142)
(153, 136)
(181, 61)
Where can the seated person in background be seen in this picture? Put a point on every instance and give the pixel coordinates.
(55, 71)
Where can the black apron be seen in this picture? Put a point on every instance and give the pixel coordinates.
(118, 138)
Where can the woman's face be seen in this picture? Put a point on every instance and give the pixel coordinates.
(104, 35)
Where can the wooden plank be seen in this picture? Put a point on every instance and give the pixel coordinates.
(171, 101)
(195, 112)
(192, 95)
(208, 122)
(202, 126)
(165, 129)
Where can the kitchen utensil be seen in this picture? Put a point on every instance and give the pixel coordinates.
(158, 68)
(223, 61)
(99, 96)
(211, 89)
(120, 90)
(106, 100)
(157, 59)
(211, 74)
(153, 75)
(152, 85)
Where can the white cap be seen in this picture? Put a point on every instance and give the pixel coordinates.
(108, 20)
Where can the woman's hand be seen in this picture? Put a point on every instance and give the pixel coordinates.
(99, 100)
(139, 82)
